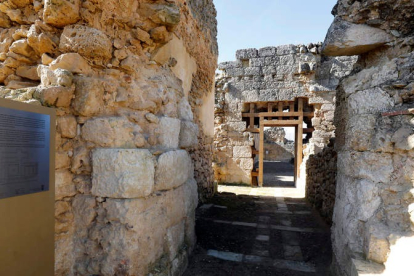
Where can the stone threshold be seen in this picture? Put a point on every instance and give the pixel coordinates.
(252, 259)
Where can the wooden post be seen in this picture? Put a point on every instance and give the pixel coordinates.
(252, 110)
(280, 108)
(299, 151)
(261, 151)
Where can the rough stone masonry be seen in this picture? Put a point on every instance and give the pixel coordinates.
(132, 84)
(373, 222)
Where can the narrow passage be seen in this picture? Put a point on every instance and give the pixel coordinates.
(251, 231)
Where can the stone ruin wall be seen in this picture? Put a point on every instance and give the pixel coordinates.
(321, 170)
(272, 74)
(131, 82)
(373, 220)
(276, 146)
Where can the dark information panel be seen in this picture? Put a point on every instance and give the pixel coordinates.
(24, 152)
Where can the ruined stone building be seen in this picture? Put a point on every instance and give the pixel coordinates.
(132, 85)
(143, 131)
(356, 87)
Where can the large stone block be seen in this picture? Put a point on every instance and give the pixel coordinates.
(174, 169)
(348, 39)
(60, 13)
(112, 132)
(169, 132)
(246, 53)
(377, 246)
(122, 173)
(188, 134)
(242, 151)
(97, 46)
(64, 184)
(371, 101)
(88, 96)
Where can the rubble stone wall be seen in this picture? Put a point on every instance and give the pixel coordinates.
(280, 73)
(126, 79)
(321, 170)
(373, 222)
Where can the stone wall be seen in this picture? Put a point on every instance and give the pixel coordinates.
(373, 217)
(280, 73)
(126, 79)
(321, 172)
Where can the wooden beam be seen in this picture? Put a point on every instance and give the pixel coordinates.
(280, 122)
(261, 152)
(279, 114)
(255, 130)
(308, 130)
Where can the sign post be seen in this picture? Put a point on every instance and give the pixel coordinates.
(27, 190)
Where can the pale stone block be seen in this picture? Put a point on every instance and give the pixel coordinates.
(67, 126)
(64, 186)
(122, 173)
(377, 247)
(88, 96)
(174, 169)
(169, 129)
(188, 134)
(60, 13)
(175, 239)
(72, 62)
(242, 151)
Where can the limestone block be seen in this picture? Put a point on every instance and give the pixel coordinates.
(40, 41)
(267, 51)
(160, 35)
(122, 173)
(190, 197)
(175, 239)
(230, 64)
(72, 62)
(169, 132)
(237, 126)
(369, 101)
(253, 71)
(173, 170)
(60, 13)
(58, 77)
(167, 14)
(257, 62)
(4, 72)
(97, 46)
(246, 53)
(21, 47)
(235, 72)
(360, 132)
(369, 199)
(64, 185)
(62, 160)
(403, 138)
(58, 96)
(88, 96)
(111, 132)
(376, 167)
(184, 110)
(28, 72)
(348, 39)
(142, 35)
(286, 50)
(67, 126)
(242, 151)
(245, 163)
(377, 245)
(188, 135)
(4, 21)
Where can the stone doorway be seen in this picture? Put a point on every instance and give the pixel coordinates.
(297, 114)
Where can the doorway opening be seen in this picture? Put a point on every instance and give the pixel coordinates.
(262, 116)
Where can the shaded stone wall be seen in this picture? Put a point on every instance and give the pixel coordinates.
(373, 218)
(126, 79)
(280, 73)
(321, 172)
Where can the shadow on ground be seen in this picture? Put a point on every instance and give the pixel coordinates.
(259, 235)
(278, 174)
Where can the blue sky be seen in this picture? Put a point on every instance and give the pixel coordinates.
(260, 23)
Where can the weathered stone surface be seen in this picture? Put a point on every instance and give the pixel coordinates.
(58, 96)
(174, 169)
(67, 126)
(21, 47)
(88, 96)
(72, 62)
(113, 132)
(242, 151)
(188, 134)
(122, 173)
(348, 39)
(169, 129)
(28, 72)
(97, 47)
(60, 13)
(58, 77)
(64, 185)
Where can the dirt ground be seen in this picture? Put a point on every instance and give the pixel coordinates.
(259, 235)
